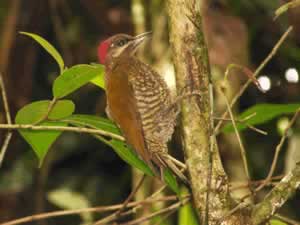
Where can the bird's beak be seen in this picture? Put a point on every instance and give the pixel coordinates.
(137, 40)
(143, 35)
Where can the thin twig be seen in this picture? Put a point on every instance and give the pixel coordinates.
(152, 196)
(115, 215)
(50, 107)
(260, 131)
(60, 128)
(8, 120)
(5, 101)
(135, 208)
(243, 151)
(177, 162)
(269, 177)
(249, 117)
(163, 211)
(240, 205)
(246, 185)
(278, 196)
(4, 146)
(277, 151)
(237, 185)
(245, 71)
(257, 130)
(41, 216)
(257, 71)
(236, 208)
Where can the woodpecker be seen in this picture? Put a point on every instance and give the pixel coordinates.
(138, 101)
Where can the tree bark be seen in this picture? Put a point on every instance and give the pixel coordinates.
(275, 199)
(209, 182)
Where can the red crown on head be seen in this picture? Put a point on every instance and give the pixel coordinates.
(102, 51)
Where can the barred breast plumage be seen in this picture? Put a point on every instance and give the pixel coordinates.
(153, 101)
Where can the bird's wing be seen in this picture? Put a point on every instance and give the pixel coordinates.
(153, 98)
(123, 111)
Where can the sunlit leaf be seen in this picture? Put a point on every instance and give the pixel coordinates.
(49, 48)
(187, 214)
(68, 199)
(277, 222)
(34, 111)
(99, 79)
(119, 147)
(74, 78)
(41, 141)
(171, 181)
(262, 113)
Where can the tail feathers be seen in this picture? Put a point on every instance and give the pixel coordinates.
(169, 164)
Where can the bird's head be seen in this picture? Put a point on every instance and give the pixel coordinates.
(119, 45)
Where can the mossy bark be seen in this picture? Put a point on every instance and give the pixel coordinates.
(209, 182)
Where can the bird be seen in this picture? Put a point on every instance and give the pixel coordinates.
(139, 101)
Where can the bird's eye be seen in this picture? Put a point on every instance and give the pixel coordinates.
(122, 42)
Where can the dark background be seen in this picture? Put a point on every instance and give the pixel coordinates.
(237, 31)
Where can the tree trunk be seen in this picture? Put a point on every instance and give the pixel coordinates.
(209, 183)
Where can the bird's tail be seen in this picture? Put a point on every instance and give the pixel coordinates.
(166, 162)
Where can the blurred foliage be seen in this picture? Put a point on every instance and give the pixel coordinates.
(68, 199)
(78, 166)
(261, 113)
(187, 214)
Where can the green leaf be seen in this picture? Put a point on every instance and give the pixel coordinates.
(171, 181)
(123, 151)
(119, 147)
(187, 214)
(264, 113)
(49, 48)
(277, 222)
(33, 112)
(128, 155)
(68, 199)
(99, 79)
(73, 78)
(41, 141)
(94, 122)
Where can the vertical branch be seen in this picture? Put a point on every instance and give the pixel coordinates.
(192, 69)
(8, 33)
(243, 150)
(8, 120)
